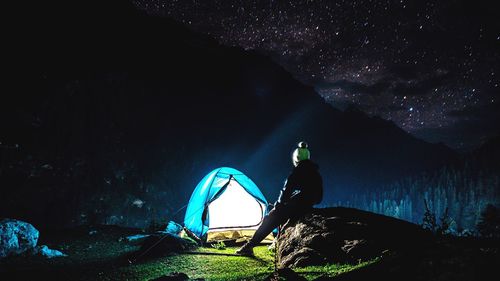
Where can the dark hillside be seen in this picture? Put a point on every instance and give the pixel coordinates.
(103, 105)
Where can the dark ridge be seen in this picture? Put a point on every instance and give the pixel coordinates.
(104, 104)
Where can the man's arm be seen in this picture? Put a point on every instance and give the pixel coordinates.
(287, 190)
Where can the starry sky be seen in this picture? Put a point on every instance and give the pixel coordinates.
(431, 67)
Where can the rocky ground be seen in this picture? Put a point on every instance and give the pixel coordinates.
(403, 250)
(346, 235)
(327, 244)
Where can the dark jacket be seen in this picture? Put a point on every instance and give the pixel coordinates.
(303, 186)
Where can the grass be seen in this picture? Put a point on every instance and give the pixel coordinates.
(213, 264)
(312, 272)
(102, 256)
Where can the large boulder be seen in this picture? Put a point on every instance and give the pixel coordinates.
(339, 235)
(16, 237)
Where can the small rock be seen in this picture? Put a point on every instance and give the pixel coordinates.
(45, 251)
(138, 238)
(16, 237)
(285, 274)
(160, 244)
(47, 167)
(175, 276)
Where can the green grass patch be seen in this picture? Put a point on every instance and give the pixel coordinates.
(103, 256)
(213, 264)
(312, 272)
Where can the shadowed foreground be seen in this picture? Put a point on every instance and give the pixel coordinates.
(380, 248)
(104, 256)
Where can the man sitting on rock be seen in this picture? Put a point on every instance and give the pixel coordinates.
(303, 188)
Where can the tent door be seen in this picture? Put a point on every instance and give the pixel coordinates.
(235, 208)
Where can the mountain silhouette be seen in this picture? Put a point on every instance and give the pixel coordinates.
(487, 156)
(103, 101)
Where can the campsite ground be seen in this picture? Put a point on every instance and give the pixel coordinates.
(100, 253)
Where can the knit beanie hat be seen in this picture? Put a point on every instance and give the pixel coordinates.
(300, 153)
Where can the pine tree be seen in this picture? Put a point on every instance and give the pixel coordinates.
(489, 224)
(429, 220)
(445, 223)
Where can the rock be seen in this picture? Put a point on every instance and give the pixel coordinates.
(164, 243)
(136, 239)
(46, 252)
(304, 257)
(342, 235)
(361, 249)
(285, 274)
(176, 276)
(16, 237)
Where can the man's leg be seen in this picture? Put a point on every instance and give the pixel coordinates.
(269, 223)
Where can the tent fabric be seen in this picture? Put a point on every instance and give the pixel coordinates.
(220, 199)
(236, 235)
(225, 211)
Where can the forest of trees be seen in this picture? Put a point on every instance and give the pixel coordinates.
(458, 195)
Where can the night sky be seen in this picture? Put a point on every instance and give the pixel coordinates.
(432, 67)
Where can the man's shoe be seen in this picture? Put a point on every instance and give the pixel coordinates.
(246, 250)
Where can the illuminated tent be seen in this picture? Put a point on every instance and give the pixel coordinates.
(225, 205)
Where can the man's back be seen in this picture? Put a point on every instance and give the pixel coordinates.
(306, 180)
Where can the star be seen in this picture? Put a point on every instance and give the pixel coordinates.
(376, 55)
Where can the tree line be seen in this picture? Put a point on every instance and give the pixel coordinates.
(453, 198)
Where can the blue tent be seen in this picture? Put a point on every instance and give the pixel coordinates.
(226, 204)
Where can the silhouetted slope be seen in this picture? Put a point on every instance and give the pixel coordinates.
(487, 156)
(108, 105)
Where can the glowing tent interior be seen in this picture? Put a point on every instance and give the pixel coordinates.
(225, 205)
